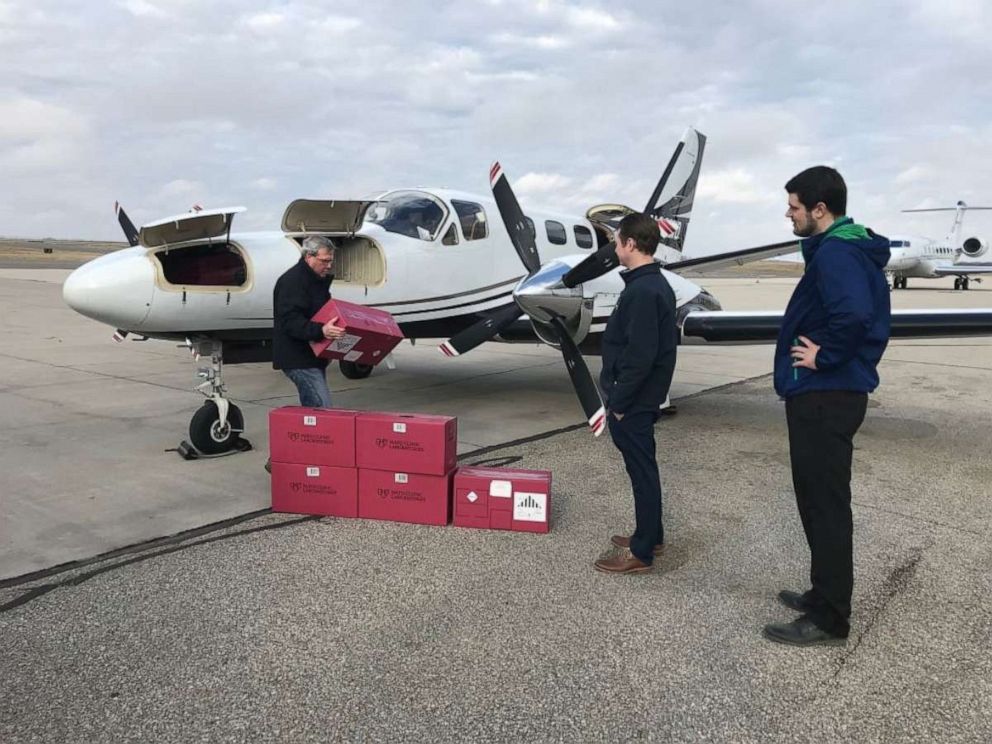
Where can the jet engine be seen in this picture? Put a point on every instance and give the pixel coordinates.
(974, 247)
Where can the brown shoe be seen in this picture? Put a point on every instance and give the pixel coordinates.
(625, 563)
(622, 541)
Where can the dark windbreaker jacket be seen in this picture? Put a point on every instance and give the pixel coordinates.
(640, 343)
(298, 295)
(842, 304)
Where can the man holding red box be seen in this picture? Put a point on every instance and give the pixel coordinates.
(298, 295)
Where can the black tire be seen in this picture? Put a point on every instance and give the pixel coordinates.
(355, 371)
(207, 436)
(965, 283)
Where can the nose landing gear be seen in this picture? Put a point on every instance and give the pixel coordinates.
(216, 427)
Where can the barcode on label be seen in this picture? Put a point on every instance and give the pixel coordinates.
(309, 420)
(313, 472)
(401, 478)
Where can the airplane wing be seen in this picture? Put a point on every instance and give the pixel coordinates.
(755, 327)
(733, 258)
(963, 270)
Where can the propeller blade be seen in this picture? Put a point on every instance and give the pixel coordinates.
(599, 263)
(513, 217)
(130, 231)
(481, 331)
(585, 388)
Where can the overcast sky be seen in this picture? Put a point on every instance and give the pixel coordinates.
(166, 103)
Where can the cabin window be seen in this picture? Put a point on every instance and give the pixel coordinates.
(895, 244)
(212, 265)
(556, 232)
(411, 213)
(583, 236)
(450, 236)
(472, 218)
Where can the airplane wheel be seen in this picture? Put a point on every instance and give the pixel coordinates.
(957, 283)
(964, 283)
(206, 433)
(355, 371)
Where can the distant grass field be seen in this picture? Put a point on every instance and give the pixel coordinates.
(21, 253)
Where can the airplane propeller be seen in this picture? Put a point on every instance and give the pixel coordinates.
(524, 243)
(130, 231)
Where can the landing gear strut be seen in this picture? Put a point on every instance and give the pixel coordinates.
(961, 282)
(899, 282)
(216, 427)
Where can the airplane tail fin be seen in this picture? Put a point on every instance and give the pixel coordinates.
(671, 201)
(954, 236)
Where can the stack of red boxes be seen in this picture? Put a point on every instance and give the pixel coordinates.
(397, 467)
(503, 499)
(312, 451)
(405, 462)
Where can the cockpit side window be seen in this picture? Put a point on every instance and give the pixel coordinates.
(411, 213)
(212, 265)
(472, 218)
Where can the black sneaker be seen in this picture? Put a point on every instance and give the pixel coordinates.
(802, 632)
(793, 600)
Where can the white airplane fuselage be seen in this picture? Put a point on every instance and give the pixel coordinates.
(433, 289)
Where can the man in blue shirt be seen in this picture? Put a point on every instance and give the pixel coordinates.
(834, 332)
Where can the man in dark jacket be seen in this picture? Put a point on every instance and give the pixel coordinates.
(639, 348)
(834, 332)
(298, 295)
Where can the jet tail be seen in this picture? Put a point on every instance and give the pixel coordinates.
(671, 201)
(954, 236)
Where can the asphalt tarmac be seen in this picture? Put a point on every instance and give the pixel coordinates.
(290, 628)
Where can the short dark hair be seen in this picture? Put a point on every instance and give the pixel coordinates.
(820, 183)
(643, 229)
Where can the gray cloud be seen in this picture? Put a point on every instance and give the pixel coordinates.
(161, 103)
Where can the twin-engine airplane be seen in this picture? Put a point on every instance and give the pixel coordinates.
(437, 261)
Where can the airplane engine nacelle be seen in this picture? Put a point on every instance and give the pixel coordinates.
(974, 247)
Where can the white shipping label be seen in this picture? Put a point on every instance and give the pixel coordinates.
(530, 507)
(351, 356)
(399, 428)
(313, 472)
(501, 489)
(309, 420)
(472, 497)
(344, 344)
(401, 478)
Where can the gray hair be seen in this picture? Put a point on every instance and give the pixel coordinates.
(314, 243)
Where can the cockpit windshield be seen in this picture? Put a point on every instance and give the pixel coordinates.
(412, 213)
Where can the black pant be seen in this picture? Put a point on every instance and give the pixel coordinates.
(634, 437)
(822, 426)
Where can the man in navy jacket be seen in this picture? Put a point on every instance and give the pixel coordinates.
(639, 348)
(834, 332)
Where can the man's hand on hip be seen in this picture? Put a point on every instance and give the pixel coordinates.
(805, 354)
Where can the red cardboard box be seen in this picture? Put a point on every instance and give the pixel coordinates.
(369, 334)
(406, 442)
(404, 497)
(312, 436)
(314, 489)
(503, 499)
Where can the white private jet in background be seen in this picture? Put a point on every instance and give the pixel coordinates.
(436, 260)
(925, 258)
